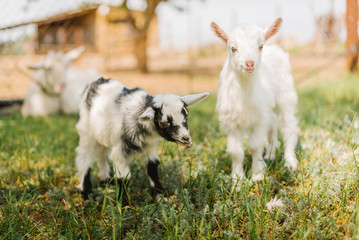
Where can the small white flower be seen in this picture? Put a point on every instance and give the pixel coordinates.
(274, 203)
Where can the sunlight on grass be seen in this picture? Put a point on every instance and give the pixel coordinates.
(38, 199)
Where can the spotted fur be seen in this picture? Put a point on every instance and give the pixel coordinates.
(126, 92)
(119, 122)
(92, 90)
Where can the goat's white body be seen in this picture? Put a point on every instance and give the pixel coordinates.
(57, 88)
(76, 82)
(247, 102)
(38, 103)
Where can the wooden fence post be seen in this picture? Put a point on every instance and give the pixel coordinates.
(352, 44)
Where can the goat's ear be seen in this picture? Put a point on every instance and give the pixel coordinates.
(46, 63)
(219, 32)
(148, 115)
(273, 29)
(74, 53)
(194, 98)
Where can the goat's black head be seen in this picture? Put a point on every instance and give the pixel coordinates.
(169, 115)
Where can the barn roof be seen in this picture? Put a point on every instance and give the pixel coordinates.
(67, 15)
(57, 17)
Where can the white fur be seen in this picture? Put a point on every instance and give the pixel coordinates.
(102, 125)
(249, 99)
(37, 103)
(57, 88)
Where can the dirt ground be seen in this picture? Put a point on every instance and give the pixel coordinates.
(175, 72)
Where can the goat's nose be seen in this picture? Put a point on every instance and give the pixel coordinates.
(186, 138)
(250, 63)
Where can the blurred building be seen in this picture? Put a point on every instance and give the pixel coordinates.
(102, 29)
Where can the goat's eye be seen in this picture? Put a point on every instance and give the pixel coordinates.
(164, 124)
(261, 47)
(234, 49)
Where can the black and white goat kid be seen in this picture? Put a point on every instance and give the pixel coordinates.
(118, 122)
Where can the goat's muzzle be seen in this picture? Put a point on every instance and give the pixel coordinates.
(249, 70)
(186, 141)
(59, 87)
(249, 66)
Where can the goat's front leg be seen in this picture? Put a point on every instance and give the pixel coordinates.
(122, 172)
(152, 172)
(235, 149)
(256, 144)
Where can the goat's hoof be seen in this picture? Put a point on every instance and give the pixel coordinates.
(159, 194)
(80, 187)
(123, 198)
(125, 202)
(258, 176)
(86, 194)
(159, 190)
(237, 181)
(291, 164)
(258, 170)
(163, 199)
(238, 176)
(109, 181)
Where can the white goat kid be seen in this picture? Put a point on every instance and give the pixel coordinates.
(255, 80)
(122, 122)
(57, 87)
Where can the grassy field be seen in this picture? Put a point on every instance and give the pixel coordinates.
(38, 198)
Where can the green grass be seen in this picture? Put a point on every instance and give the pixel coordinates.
(38, 198)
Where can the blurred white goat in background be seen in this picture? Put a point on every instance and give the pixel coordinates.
(57, 87)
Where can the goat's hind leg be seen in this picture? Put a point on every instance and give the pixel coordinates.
(289, 130)
(273, 142)
(122, 173)
(290, 137)
(103, 166)
(84, 160)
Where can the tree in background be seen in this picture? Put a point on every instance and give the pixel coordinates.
(352, 44)
(141, 30)
(141, 25)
